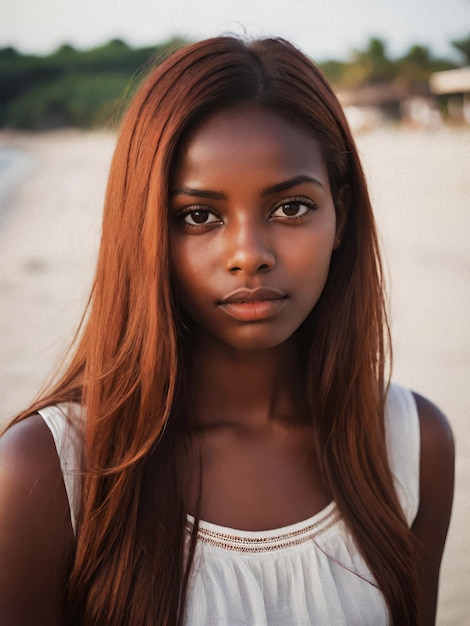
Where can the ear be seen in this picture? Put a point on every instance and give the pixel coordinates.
(342, 205)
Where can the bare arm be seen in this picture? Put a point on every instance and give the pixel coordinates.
(36, 537)
(436, 493)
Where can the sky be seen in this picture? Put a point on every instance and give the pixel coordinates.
(321, 28)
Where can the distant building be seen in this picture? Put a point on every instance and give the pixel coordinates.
(456, 85)
(386, 97)
(370, 105)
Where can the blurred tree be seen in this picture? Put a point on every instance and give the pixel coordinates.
(72, 87)
(333, 70)
(463, 46)
(8, 53)
(380, 68)
(65, 49)
(372, 66)
(80, 101)
(81, 88)
(20, 73)
(369, 66)
(415, 67)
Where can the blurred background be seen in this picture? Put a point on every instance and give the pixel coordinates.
(63, 65)
(402, 72)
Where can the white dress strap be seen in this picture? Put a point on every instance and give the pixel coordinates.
(403, 447)
(65, 423)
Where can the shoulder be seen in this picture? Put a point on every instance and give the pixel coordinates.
(437, 440)
(436, 494)
(36, 538)
(29, 443)
(421, 451)
(410, 415)
(29, 462)
(436, 463)
(28, 458)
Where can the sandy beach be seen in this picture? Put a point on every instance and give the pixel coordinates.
(420, 185)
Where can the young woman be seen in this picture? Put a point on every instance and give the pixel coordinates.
(223, 447)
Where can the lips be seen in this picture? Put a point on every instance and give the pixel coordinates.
(252, 305)
(259, 294)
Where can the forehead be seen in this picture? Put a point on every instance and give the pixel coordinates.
(249, 137)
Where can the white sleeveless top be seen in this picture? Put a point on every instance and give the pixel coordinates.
(306, 573)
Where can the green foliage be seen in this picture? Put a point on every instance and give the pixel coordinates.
(89, 88)
(333, 70)
(376, 66)
(72, 87)
(415, 67)
(81, 101)
(463, 46)
(365, 67)
(373, 66)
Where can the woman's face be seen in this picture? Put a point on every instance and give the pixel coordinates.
(253, 226)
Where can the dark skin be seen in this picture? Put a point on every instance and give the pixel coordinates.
(259, 215)
(259, 466)
(436, 493)
(36, 537)
(251, 422)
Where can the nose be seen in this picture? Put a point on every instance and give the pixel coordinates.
(249, 249)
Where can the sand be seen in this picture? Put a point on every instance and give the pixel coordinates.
(420, 184)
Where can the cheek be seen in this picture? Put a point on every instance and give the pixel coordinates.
(189, 267)
(311, 255)
(191, 255)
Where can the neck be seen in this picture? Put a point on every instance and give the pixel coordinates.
(243, 387)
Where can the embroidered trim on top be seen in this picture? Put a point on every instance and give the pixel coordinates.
(239, 543)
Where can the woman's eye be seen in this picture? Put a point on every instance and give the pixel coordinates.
(293, 209)
(198, 217)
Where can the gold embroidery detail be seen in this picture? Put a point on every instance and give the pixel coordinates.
(253, 545)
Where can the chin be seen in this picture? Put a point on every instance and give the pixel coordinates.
(256, 339)
(244, 337)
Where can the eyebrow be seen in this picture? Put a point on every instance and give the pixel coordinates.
(219, 195)
(292, 182)
(198, 193)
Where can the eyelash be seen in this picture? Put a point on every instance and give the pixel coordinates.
(181, 215)
(311, 206)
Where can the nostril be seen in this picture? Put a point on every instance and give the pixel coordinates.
(263, 267)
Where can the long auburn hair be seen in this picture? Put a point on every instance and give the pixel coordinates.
(128, 371)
